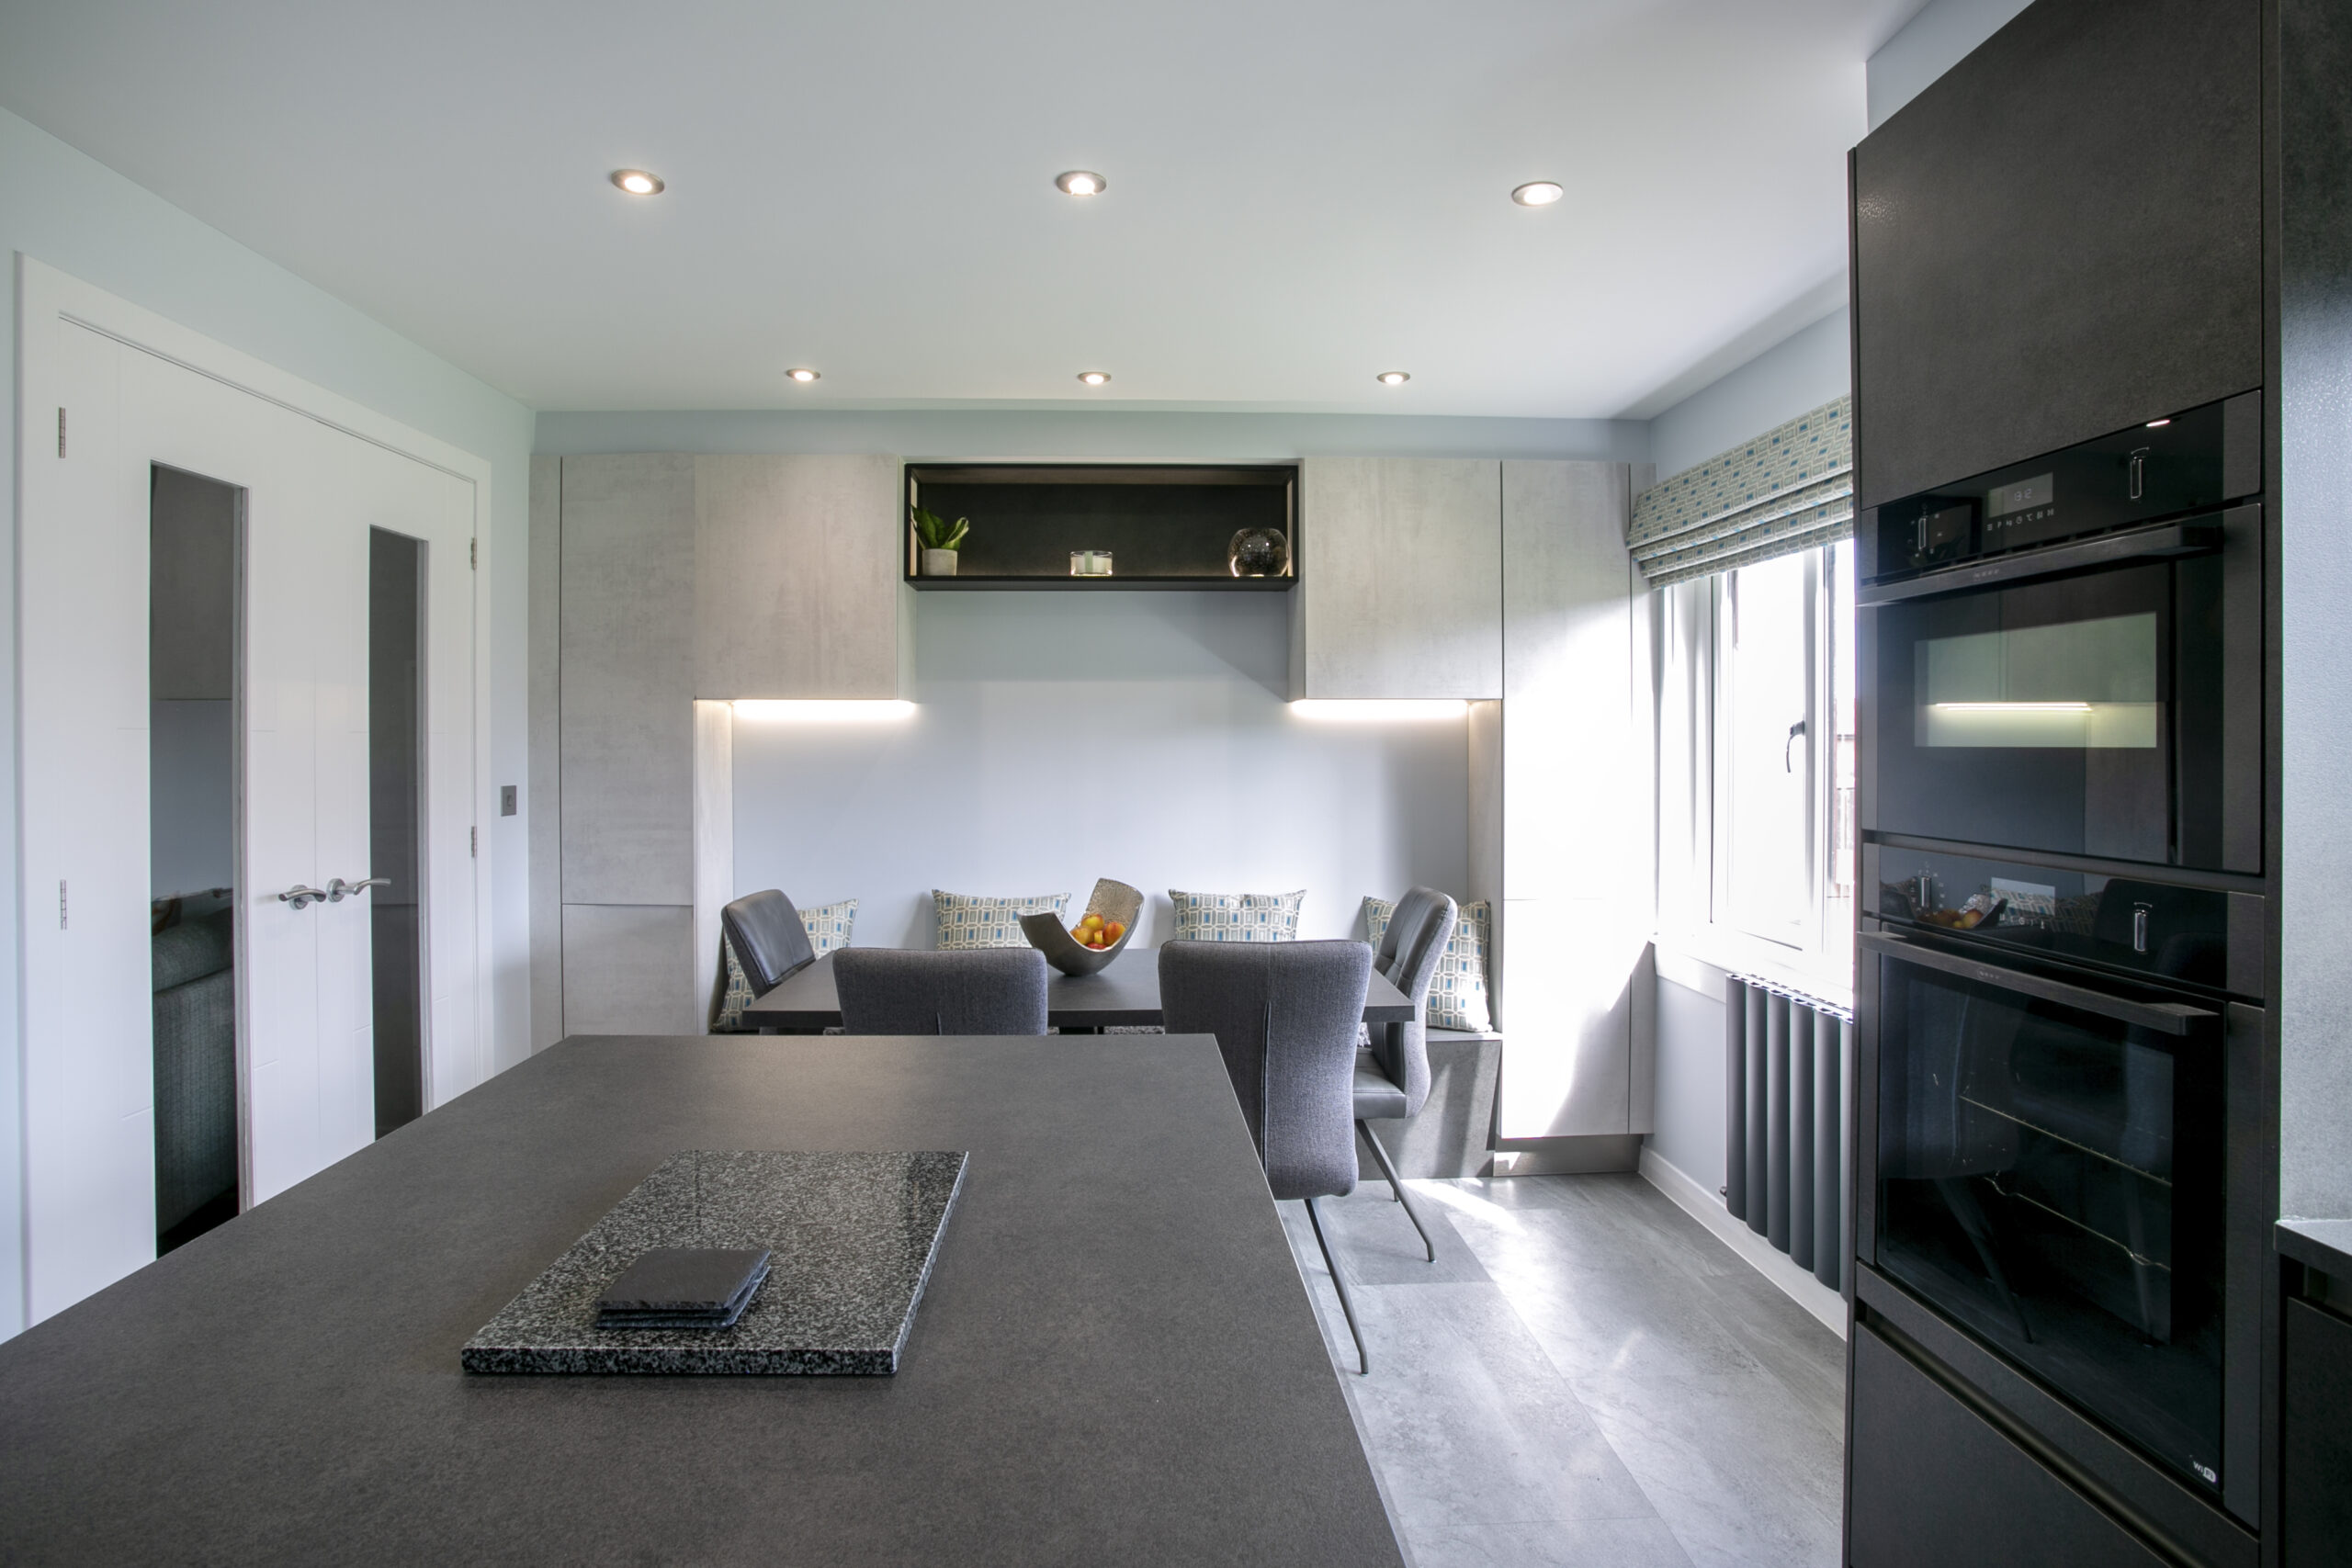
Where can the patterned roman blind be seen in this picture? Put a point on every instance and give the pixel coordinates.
(1788, 489)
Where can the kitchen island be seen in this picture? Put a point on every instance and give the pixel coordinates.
(1115, 1359)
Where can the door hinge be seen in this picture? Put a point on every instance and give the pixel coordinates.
(61, 904)
(473, 555)
(473, 842)
(61, 433)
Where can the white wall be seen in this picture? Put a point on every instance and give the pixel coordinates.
(66, 209)
(1929, 44)
(1059, 738)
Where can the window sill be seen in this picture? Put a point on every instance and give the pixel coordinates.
(1684, 957)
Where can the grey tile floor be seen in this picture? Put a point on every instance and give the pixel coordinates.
(1584, 1376)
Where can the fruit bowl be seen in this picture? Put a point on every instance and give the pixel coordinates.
(1113, 901)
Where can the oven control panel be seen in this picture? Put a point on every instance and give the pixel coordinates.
(2161, 469)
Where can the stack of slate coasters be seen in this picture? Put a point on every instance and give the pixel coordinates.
(683, 1287)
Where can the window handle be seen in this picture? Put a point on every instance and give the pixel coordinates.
(1788, 765)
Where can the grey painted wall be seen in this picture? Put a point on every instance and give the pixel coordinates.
(1096, 435)
(1059, 738)
(1689, 1135)
(77, 215)
(1802, 372)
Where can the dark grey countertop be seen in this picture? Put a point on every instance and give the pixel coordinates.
(1123, 994)
(2323, 1245)
(1112, 1363)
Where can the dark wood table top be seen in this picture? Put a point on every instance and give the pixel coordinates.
(1115, 1362)
(1126, 992)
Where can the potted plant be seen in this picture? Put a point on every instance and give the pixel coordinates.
(939, 539)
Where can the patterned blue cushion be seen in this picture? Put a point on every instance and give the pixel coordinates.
(829, 925)
(1236, 917)
(967, 921)
(1458, 989)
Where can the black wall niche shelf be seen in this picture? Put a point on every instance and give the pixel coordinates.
(1165, 525)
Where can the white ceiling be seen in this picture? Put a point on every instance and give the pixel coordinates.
(1302, 192)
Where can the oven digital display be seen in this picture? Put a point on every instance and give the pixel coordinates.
(2025, 494)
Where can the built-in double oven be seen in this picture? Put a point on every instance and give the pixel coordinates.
(2062, 925)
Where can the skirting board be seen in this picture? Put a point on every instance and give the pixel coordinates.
(1708, 1209)
(1590, 1154)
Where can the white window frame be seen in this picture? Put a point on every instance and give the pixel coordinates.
(1693, 825)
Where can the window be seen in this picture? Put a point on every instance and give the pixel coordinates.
(1756, 766)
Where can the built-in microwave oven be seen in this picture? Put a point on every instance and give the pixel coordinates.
(2065, 655)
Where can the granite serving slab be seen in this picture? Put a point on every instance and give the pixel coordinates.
(853, 1235)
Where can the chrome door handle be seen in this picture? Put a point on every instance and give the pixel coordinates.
(338, 889)
(302, 897)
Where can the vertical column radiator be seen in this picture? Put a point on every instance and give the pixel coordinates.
(1788, 1171)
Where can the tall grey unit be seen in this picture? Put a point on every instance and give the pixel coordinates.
(2067, 1109)
(1561, 799)
(664, 583)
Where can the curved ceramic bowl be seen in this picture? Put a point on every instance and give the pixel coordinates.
(1113, 901)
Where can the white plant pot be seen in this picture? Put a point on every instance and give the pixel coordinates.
(939, 563)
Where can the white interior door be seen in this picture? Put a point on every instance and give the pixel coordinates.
(310, 494)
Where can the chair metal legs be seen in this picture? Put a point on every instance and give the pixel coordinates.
(1339, 1283)
(1411, 1212)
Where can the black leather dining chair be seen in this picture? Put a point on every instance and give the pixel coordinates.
(1392, 1078)
(1285, 1015)
(989, 990)
(769, 941)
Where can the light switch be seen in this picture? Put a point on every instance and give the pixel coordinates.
(506, 800)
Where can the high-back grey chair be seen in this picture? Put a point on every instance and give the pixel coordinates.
(989, 990)
(1392, 1078)
(769, 941)
(1285, 1014)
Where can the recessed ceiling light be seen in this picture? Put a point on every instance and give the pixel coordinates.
(800, 373)
(1393, 377)
(1094, 378)
(2158, 423)
(1083, 182)
(637, 182)
(1538, 193)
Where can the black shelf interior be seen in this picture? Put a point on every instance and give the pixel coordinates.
(1167, 527)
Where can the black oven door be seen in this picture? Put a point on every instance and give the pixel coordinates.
(2051, 1173)
(2109, 713)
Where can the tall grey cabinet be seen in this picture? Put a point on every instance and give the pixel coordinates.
(1561, 800)
(661, 579)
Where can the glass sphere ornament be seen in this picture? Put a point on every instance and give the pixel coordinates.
(1258, 552)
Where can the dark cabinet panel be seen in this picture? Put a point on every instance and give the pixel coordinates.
(1932, 1485)
(2315, 1481)
(2060, 238)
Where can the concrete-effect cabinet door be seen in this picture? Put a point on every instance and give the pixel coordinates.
(1400, 580)
(799, 577)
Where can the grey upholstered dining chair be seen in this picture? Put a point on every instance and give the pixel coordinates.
(1284, 1015)
(989, 990)
(1392, 1078)
(769, 941)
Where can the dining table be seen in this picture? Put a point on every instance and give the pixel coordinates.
(1123, 994)
(1115, 1358)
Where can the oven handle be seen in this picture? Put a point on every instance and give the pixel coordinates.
(2169, 1018)
(2196, 538)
